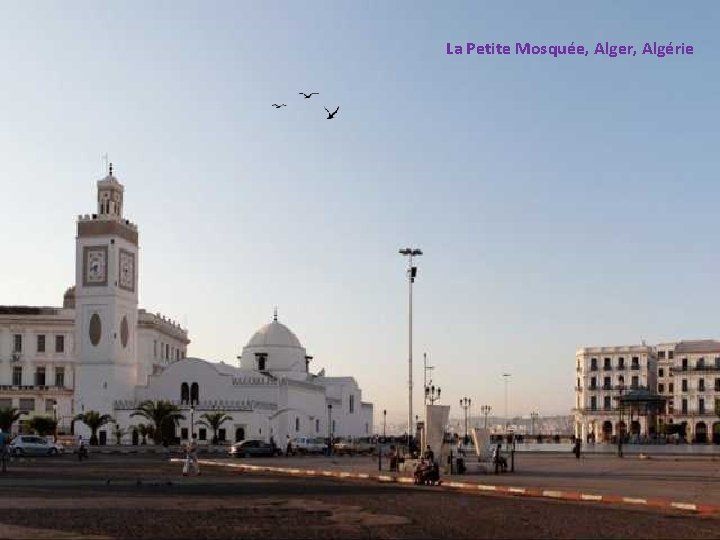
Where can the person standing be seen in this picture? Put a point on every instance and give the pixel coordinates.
(191, 459)
(576, 448)
(82, 451)
(3, 450)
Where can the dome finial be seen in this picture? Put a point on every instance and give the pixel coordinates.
(275, 314)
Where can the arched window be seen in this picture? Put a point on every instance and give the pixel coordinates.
(194, 393)
(297, 424)
(184, 393)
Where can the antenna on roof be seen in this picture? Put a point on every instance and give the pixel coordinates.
(275, 314)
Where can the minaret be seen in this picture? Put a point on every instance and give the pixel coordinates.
(106, 300)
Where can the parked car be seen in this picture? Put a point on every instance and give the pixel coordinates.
(32, 445)
(361, 446)
(307, 445)
(252, 448)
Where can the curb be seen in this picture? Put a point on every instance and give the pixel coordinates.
(574, 496)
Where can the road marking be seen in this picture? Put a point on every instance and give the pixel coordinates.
(683, 506)
(631, 500)
(516, 490)
(587, 497)
(483, 487)
(550, 493)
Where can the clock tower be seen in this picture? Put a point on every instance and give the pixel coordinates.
(106, 302)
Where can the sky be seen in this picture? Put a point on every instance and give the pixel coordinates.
(559, 202)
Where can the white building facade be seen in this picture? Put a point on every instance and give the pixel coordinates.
(684, 375)
(101, 352)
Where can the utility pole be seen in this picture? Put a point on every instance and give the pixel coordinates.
(506, 376)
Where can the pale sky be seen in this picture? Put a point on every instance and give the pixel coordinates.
(560, 202)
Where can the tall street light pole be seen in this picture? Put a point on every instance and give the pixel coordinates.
(384, 423)
(485, 410)
(506, 376)
(411, 273)
(465, 405)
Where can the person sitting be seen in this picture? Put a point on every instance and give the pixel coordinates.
(420, 470)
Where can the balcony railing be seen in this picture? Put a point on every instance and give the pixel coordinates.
(607, 368)
(702, 369)
(33, 388)
(692, 412)
(635, 367)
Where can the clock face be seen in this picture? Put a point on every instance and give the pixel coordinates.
(95, 270)
(127, 271)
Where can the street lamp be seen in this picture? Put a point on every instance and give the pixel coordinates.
(431, 394)
(54, 406)
(411, 273)
(621, 425)
(465, 405)
(192, 423)
(534, 417)
(506, 376)
(384, 423)
(485, 410)
(330, 433)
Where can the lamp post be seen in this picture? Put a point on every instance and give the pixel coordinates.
(411, 273)
(192, 423)
(621, 426)
(330, 433)
(485, 410)
(534, 417)
(432, 394)
(465, 405)
(384, 423)
(54, 406)
(506, 376)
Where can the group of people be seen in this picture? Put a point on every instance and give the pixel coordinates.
(427, 470)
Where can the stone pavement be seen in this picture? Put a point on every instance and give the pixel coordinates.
(680, 479)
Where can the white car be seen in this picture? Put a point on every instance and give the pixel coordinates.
(306, 445)
(32, 445)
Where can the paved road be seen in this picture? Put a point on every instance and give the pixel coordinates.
(685, 479)
(146, 498)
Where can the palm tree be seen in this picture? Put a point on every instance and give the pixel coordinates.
(8, 416)
(94, 420)
(42, 425)
(144, 430)
(119, 432)
(214, 421)
(164, 415)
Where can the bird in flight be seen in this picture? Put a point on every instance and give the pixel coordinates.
(331, 115)
(308, 96)
(278, 106)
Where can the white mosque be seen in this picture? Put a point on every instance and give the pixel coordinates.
(99, 351)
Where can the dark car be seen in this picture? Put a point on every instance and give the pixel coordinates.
(252, 448)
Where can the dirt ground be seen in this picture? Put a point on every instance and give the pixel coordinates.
(144, 497)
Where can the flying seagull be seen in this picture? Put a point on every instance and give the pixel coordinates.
(278, 106)
(331, 115)
(308, 96)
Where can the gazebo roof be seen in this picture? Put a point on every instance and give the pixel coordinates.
(642, 396)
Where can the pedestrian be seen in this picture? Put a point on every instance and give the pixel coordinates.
(288, 449)
(3, 450)
(429, 454)
(191, 459)
(82, 451)
(499, 461)
(576, 448)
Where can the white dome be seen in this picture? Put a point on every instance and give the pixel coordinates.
(274, 334)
